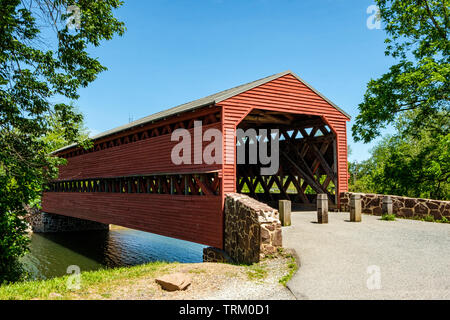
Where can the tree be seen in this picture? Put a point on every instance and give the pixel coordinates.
(55, 138)
(33, 71)
(418, 38)
(413, 96)
(414, 165)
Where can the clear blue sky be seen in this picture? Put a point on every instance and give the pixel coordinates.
(175, 51)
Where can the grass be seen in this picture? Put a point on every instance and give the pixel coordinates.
(430, 218)
(197, 271)
(388, 217)
(259, 272)
(100, 282)
(443, 220)
(256, 272)
(427, 218)
(292, 268)
(113, 283)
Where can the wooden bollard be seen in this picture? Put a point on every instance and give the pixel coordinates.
(387, 205)
(355, 208)
(284, 207)
(322, 208)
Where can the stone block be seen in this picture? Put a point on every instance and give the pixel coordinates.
(401, 206)
(211, 254)
(42, 222)
(251, 228)
(277, 240)
(174, 282)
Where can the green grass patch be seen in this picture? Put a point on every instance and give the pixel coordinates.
(197, 271)
(256, 272)
(429, 218)
(443, 220)
(388, 217)
(292, 268)
(100, 282)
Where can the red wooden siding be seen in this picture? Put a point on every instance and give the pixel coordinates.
(285, 94)
(147, 156)
(191, 218)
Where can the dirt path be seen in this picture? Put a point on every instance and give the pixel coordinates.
(209, 281)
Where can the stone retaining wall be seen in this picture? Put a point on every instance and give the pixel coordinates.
(252, 229)
(402, 206)
(211, 254)
(45, 222)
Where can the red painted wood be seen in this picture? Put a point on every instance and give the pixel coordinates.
(191, 218)
(285, 94)
(153, 128)
(137, 158)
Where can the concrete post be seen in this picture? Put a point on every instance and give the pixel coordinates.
(355, 208)
(284, 208)
(322, 208)
(387, 205)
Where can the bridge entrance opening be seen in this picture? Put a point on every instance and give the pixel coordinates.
(306, 157)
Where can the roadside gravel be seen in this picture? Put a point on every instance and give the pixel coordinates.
(213, 281)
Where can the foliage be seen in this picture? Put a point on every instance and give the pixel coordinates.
(292, 268)
(360, 176)
(430, 218)
(55, 139)
(33, 72)
(413, 97)
(388, 217)
(256, 272)
(418, 40)
(414, 165)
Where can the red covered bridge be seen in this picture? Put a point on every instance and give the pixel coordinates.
(129, 179)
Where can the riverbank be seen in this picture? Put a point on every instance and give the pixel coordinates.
(264, 280)
(51, 253)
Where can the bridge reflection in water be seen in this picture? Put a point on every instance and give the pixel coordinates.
(50, 254)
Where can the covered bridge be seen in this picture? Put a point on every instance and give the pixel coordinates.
(129, 179)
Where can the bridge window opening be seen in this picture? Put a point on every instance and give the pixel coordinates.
(307, 160)
(198, 184)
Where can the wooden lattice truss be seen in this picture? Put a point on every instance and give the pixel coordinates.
(197, 184)
(307, 159)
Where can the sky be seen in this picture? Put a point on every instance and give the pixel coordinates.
(176, 51)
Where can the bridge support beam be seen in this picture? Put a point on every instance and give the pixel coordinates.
(42, 222)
